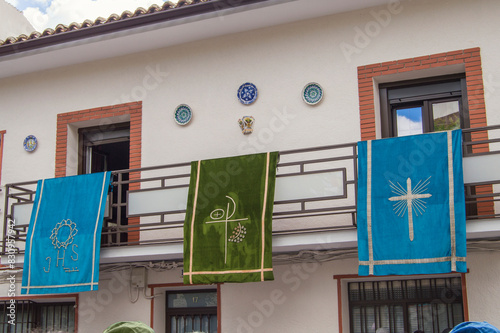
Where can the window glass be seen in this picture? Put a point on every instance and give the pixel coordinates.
(430, 305)
(446, 115)
(423, 105)
(192, 300)
(191, 312)
(409, 121)
(39, 317)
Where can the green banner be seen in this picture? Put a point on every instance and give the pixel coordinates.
(228, 226)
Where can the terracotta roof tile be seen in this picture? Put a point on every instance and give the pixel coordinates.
(61, 28)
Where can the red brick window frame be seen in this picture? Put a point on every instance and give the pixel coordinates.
(134, 110)
(470, 58)
(1, 152)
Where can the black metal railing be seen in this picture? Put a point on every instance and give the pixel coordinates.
(317, 213)
(481, 197)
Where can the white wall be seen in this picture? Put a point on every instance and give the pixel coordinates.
(12, 22)
(483, 286)
(302, 298)
(206, 76)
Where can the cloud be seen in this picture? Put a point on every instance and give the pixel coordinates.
(407, 126)
(68, 11)
(13, 2)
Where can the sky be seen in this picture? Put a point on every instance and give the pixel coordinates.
(409, 121)
(43, 14)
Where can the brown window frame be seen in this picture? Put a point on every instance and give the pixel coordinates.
(387, 105)
(191, 311)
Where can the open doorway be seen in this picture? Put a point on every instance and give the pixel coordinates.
(108, 149)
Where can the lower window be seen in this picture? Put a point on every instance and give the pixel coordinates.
(194, 311)
(425, 305)
(29, 316)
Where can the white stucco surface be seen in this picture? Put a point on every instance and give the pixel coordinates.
(12, 22)
(206, 75)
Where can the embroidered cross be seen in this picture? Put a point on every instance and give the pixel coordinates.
(224, 216)
(408, 199)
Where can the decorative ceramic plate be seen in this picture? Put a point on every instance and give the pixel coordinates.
(30, 143)
(247, 93)
(183, 114)
(312, 93)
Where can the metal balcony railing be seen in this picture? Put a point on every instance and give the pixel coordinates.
(147, 205)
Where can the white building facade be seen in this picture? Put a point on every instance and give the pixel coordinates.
(104, 96)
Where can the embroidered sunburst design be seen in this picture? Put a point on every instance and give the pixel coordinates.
(409, 199)
(64, 230)
(239, 234)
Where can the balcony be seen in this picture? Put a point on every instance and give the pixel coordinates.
(314, 209)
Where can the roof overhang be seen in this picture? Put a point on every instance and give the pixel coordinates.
(176, 26)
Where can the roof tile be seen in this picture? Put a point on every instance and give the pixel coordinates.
(61, 28)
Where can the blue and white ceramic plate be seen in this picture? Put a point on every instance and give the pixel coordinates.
(247, 93)
(30, 143)
(312, 93)
(183, 114)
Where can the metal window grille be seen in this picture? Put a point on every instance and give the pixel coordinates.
(193, 322)
(191, 311)
(398, 306)
(32, 317)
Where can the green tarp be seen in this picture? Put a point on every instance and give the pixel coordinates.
(228, 226)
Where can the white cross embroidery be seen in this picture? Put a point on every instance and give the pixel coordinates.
(409, 198)
(223, 216)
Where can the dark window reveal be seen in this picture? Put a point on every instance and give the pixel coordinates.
(422, 106)
(429, 305)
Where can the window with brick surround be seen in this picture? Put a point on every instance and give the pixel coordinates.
(424, 105)
(130, 112)
(469, 62)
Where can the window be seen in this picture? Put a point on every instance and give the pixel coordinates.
(67, 163)
(35, 317)
(422, 106)
(429, 305)
(108, 149)
(466, 61)
(194, 311)
(104, 150)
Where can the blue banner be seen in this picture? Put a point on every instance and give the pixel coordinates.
(411, 205)
(64, 236)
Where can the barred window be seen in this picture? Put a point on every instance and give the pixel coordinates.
(429, 305)
(192, 311)
(33, 317)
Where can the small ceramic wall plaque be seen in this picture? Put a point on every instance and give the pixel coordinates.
(247, 93)
(312, 93)
(30, 143)
(246, 124)
(183, 114)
